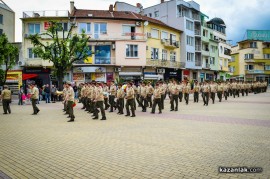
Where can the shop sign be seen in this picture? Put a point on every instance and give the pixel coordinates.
(78, 76)
(89, 70)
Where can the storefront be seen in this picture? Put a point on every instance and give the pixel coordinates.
(14, 80)
(41, 76)
(88, 74)
(130, 74)
(172, 73)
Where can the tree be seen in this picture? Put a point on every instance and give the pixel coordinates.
(62, 51)
(8, 54)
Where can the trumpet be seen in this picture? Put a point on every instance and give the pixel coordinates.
(58, 93)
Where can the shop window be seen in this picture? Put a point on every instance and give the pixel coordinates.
(103, 54)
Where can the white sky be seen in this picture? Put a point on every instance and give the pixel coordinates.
(238, 15)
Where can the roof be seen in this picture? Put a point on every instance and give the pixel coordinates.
(249, 40)
(217, 21)
(5, 6)
(116, 15)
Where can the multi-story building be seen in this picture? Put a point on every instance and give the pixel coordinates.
(181, 15)
(7, 21)
(37, 22)
(251, 60)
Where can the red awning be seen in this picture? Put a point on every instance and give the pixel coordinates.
(28, 76)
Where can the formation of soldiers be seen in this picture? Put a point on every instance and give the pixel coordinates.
(97, 97)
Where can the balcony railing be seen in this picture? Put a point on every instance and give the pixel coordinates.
(206, 66)
(163, 63)
(37, 62)
(118, 36)
(197, 32)
(170, 43)
(198, 48)
(52, 13)
(254, 71)
(198, 63)
(196, 17)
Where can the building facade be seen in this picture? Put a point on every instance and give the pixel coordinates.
(7, 21)
(251, 60)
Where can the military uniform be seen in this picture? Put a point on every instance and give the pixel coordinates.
(130, 101)
(206, 90)
(226, 87)
(234, 88)
(196, 89)
(99, 98)
(174, 91)
(112, 96)
(34, 98)
(186, 91)
(120, 100)
(143, 98)
(83, 96)
(6, 100)
(163, 93)
(149, 92)
(181, 86)
(106, 91)
(220, 89)
(157, 99)
(70, 100)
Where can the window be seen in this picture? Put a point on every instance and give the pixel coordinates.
(212, 60)
(100, 28)
(86, 27)
(131, 50)
(154, 53)
(33, 28)
(31, 53)
(164, 35)
(249, 56)
(189, 25)
(266, 56)
(253, 44)
(150, 14)
(232, 59)
(213, 48)
(1, 31)
(221, 49)
(63, 26)
(156, 13)
(249, 67)
(227, 51)
(190, 57)
(190, 40)
(164, 55)
(205, 33)
(173, 56)
(1, 19)
(232, 69)
(267, 67)
(154, 33)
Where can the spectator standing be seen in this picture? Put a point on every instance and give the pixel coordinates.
(53, 93)
(47, 91)
(75, 89)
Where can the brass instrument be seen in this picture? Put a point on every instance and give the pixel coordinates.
(58, 93)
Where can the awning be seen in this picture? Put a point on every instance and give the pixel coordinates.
(153, 77)
(28, 76)
(130, 74)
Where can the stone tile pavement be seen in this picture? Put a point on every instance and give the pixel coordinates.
(190, 143)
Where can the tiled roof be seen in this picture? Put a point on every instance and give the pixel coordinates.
(106, 14)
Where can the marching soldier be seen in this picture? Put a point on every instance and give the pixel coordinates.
(106, 92)
(134, 88)
(83, 95)
(157, 99)
(206, 91)
(196, 89)
(112, 95)
(186, 91)
(99, 100)
(230, 90)
(137, 91)
(174, 91)
(70, 100)
(149, 92)
(226, 87)
(120, 95)
(130, 100)
(6, 99)
(238, 88)
(242, 88)
(93, 97)
(143, 97)
(265, 86)
(34, 98)
(163, 93)
(234, 88)
(87, 94)
(181, 86)
(213, 90)
(220, 90)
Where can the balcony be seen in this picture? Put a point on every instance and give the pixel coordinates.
(198, 62)
(37, 62)
(112, 36)
(197, 32)
(206, 66)
(196, 17)
(52, 13)
(254, 71)
(198, 48)
(170, 43)
(164, 63)
(205, 52)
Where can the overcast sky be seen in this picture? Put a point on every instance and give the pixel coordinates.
(238, 15)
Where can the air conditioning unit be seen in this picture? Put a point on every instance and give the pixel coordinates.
(21, 63)
(149, 35)
(26, 35)
(138, 23)
(161, 70)
(117, 69)
(113, 46)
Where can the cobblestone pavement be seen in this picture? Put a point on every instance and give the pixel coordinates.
(190, 143)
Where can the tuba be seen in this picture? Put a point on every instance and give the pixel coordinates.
(58, 93)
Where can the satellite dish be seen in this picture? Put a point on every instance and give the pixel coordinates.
(146, 23)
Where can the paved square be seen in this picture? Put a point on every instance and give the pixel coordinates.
(190, 143)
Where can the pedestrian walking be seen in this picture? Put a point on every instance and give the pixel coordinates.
(157, 99)
(6, 100)
(130, 100)
(34, 97)
(99, 100)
